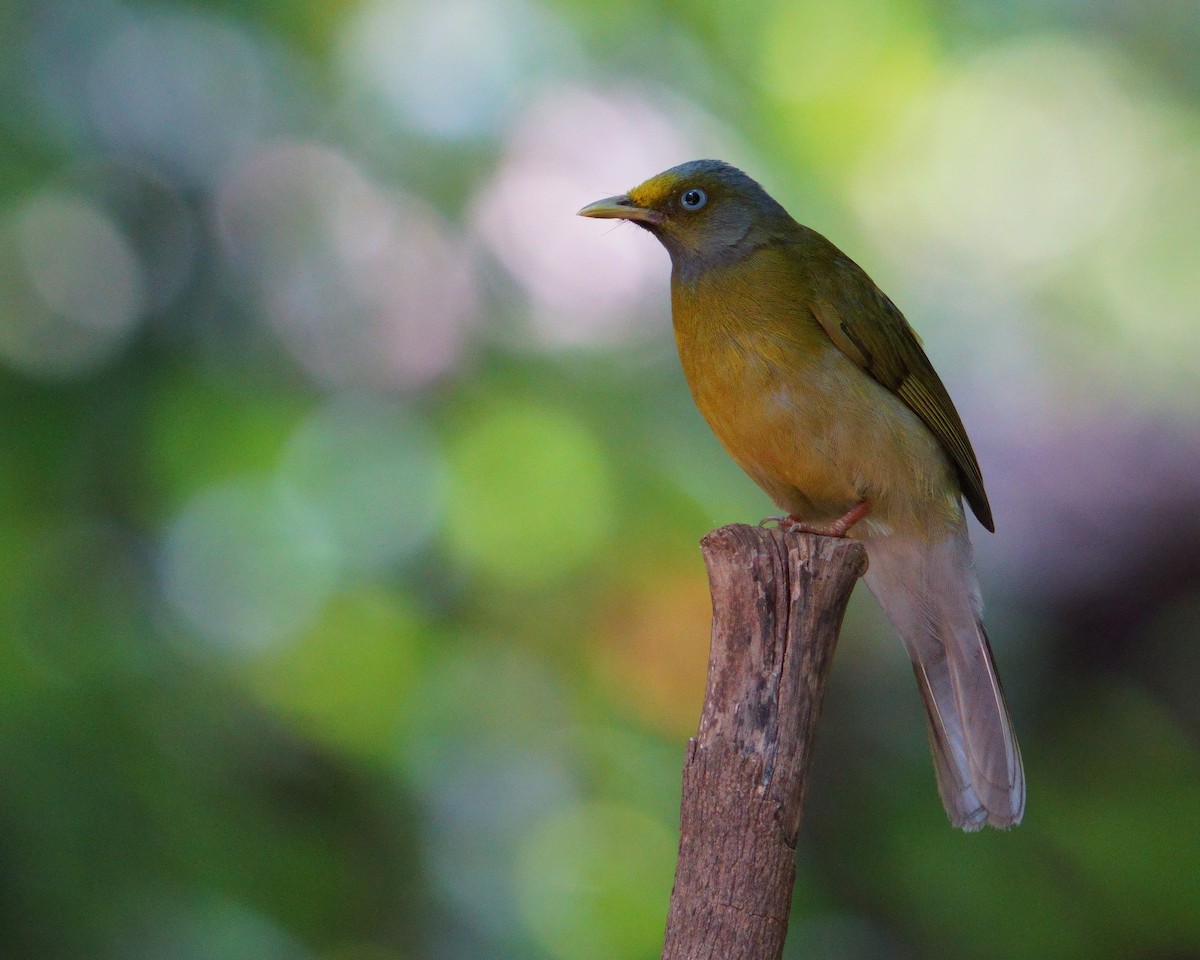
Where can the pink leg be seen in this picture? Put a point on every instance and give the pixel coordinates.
(834, 528)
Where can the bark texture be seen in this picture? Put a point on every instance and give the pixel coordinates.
(778, 602)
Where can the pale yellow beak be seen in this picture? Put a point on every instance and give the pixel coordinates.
(620, 208)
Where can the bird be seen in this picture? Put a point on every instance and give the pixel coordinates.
(820, 390)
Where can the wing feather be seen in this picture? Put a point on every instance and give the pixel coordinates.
(871, 331)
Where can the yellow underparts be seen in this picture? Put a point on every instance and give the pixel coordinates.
(811, 428)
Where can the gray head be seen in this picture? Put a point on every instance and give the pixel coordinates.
(705, 212)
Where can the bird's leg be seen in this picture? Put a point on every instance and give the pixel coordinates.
(834, 528)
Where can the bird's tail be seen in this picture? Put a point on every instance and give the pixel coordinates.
(930, 593)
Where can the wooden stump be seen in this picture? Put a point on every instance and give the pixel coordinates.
(778, 602)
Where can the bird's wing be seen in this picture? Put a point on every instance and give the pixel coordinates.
(868, 328)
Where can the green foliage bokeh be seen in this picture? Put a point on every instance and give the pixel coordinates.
(349, 487)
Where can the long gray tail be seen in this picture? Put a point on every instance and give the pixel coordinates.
(930, 593)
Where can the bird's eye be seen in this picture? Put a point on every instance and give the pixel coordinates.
(693, 199)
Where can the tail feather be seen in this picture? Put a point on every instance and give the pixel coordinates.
(962, 803)
(929, 592)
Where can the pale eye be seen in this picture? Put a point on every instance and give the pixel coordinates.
(693, 199)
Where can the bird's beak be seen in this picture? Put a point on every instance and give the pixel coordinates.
(620, 208)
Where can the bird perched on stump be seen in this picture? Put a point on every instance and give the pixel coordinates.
(817, 386)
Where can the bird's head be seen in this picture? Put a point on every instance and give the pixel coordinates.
(705, 212)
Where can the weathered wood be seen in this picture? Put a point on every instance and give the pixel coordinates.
(778, 602)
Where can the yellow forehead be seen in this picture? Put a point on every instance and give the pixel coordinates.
(656, 189)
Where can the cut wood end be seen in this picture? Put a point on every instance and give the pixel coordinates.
(728, 540)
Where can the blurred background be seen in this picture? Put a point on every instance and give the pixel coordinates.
(350, 491)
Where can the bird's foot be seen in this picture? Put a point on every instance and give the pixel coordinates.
(834, 528)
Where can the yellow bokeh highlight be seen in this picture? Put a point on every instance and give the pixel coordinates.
(530, 495)
(347, 681)
(840, 71)
(1021, 156)
(652, 655)
(593, 882)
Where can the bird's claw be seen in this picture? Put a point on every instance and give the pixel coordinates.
(834, 528)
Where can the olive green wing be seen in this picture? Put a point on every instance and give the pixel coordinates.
(869, 329)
